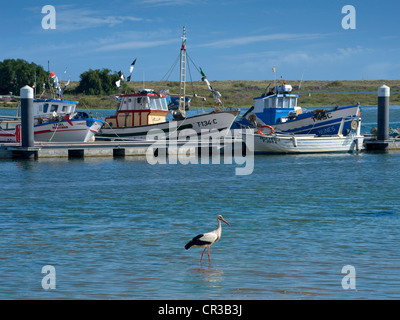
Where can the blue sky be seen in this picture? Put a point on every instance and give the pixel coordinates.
(229, 39)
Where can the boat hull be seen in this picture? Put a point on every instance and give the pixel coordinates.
(79, 130)
(75, 130)
(285, 144)
(327, 122)
(324, 123)
(205, 125)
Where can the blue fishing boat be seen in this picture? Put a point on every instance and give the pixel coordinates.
(278, 109)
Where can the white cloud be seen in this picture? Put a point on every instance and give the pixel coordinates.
(226, 43)
(290, 62)
(72, 19)
(168, 2)
(127, 45)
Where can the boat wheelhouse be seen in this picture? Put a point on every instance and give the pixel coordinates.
(141, 109)
(44, 108)
(278, 107)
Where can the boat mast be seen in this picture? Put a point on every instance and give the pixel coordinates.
(182, 90)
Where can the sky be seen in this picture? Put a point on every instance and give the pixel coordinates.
(228, 39)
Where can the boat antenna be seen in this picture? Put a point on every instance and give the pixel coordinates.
(182, 81)
(301, 80)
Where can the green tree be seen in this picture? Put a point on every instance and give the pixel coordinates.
(96, 82)
(15, 74)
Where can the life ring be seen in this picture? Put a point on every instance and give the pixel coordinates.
(354, 124)
(266, 126)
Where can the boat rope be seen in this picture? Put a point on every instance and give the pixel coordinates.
(169, 72)
(198, 69)
(52, 136)
(112, 129)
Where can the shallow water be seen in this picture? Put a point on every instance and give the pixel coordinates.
(115, 229)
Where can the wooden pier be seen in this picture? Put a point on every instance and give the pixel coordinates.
(115, 149)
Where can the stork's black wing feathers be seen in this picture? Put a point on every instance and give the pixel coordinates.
(196, 241)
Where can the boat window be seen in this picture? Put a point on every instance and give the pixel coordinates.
(292, 102)
(64, 109)
(138, 103)
(164, 104)
(280, 102)
(131, 104)
(271, 102)
(145, 103)
(159, 104)
(124, 105)
(53, 108)
(45, 108)
(153, 104)
(285, 102)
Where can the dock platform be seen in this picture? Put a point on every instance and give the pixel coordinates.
(382, 145)
(109, 148)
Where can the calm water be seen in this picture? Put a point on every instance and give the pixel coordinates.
(115, 229)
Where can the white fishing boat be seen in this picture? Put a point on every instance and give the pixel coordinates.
(281, 143)
(55, 120)
(8, 127)
(144, 112)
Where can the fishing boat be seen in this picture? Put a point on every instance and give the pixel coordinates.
(282, 143)
(144, 111)
(55, 120)
(8, 126)
(278, 108)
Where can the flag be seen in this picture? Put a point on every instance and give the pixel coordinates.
(273, 69)
(53, 75)
(208, 84)
(68, 119)
(118, 83)
(34, 85)
(183, 45)
(131, 70)
(202, 73)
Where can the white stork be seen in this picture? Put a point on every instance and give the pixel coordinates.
(207, 239)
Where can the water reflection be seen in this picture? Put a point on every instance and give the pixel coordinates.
(209, 274)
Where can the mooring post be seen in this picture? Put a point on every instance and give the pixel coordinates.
(383, 113)
(27, 117)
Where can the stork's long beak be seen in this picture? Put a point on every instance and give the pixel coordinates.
(226, 222)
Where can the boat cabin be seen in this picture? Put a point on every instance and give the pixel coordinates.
(277, 106)
(140, 109)
(44, 108)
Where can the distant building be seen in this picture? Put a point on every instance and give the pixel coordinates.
(5, 98)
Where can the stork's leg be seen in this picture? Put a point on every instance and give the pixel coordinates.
(202, 254)
(209, 260)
